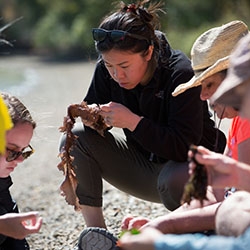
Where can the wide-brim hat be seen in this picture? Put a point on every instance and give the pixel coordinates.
(210, 52)
(232, 89)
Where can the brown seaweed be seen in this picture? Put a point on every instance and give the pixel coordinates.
(90, 117)
(196, 187)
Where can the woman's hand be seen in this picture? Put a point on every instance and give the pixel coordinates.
(117, 115)
(221, 169)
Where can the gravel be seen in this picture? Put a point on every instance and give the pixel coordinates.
(37, 180)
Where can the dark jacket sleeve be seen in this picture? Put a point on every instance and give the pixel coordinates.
(187, 117)
(184, 127)
(183, 122)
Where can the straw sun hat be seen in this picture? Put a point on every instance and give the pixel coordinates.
(211, 50)
(234, 87)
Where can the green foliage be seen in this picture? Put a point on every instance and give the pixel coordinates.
(67, 26)
(64, 27)
(5, 27)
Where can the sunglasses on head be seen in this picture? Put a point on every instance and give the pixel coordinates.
(13, 155)
(100, 35)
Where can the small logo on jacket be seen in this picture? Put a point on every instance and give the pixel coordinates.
(160, 94)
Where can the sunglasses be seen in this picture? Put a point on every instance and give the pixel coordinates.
(13, 155)
(100, 35)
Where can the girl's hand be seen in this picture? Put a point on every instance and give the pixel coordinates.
(142, 241)
(19, 225)
(130, 222)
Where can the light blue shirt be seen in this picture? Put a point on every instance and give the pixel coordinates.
(203, 242)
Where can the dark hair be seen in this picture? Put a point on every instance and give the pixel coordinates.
(135, 19)
(223, 72)
(18, 112)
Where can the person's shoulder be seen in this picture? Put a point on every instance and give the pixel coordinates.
(243, 126)
(176, 58)
(240, 122)
(180, 59)
(100, 63)
(180, 65)
(5, 183)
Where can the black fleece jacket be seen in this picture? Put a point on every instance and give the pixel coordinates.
(170, 124)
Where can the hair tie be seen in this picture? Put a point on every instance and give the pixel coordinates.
(131, 8)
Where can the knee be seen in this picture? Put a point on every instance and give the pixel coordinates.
(62, 142)
(171, 181)
(78, 131)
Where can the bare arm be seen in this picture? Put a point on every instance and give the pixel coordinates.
(192, 220)
(195, 220)
(243, 151)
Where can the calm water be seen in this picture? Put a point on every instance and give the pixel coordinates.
(18, 82)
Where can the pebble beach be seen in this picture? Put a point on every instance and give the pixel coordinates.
(47, 88)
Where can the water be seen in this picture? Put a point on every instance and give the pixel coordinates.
(18, 82)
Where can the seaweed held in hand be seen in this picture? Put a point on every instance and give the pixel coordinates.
(90, 117)
(196, 187)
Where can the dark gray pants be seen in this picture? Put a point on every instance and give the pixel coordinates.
(119, 163)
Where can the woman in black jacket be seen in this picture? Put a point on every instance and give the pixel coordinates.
(136, 73)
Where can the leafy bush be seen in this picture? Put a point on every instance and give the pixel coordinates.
(64, 27)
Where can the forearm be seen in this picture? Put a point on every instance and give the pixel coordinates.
(243, 176)
(195, 220)
(3, 224)
(160, 140)
(133, 121)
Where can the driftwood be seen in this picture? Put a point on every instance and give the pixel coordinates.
(90, 117)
